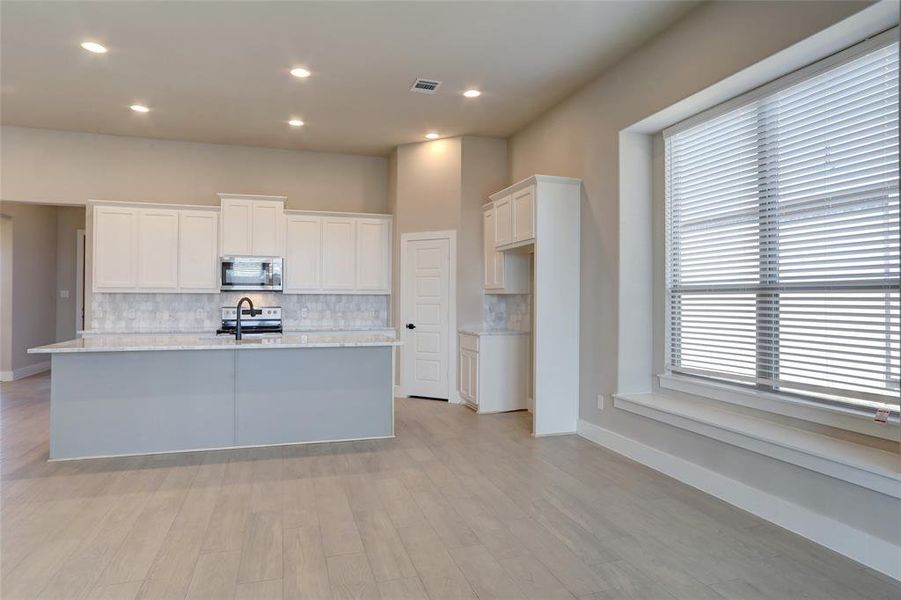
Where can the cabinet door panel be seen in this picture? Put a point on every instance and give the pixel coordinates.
(237, 227)
(474, 378)
(524, 214)
(373, 255)
(488, 248)
(198, 255)
(303, 253)
(464, 375)
(115, 248)
(338, 254)
(267, 227)
(503, 221)
(158, 249)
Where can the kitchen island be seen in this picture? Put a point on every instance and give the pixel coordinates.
(143, 394)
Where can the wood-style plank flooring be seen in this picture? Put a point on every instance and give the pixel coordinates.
(457, 506)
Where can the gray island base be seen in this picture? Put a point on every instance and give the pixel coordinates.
(120, 403)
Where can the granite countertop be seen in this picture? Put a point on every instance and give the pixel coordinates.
(487, 331)
(149, 342)
(208, 332)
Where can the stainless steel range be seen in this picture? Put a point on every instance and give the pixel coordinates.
(263, 320)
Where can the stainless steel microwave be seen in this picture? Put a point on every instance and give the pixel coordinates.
(249, 273)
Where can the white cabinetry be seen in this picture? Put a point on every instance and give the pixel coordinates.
(154, 249)
(252, 225)
(523, 202)
(198, 251)
(115, 248)
(540, 215)
(373, 255)
(267, 228)
(505, 272)
(303, 254)
(337, 253)
(158, 249)
(494, 371)
(503, 220)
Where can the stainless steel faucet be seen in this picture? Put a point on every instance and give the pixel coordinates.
(253, 311)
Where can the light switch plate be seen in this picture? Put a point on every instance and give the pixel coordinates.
(64, 293)
(601, 401)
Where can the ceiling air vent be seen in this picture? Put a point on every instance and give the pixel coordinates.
(425, 86)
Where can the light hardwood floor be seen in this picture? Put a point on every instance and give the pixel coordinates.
(457, 506)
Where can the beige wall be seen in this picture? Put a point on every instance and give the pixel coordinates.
(57, 167)
(6, 287)
(579, 138)
(33, 318)
(68, 221)
(483, 172)
(441, 185)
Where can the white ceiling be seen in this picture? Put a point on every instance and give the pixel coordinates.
(218, 71)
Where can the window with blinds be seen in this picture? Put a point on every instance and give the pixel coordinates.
(782, 267)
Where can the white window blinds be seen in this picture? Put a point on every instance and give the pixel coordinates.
(783, 236)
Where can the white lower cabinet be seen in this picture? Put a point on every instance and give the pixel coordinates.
(493, 371)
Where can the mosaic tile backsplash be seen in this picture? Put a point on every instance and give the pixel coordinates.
(507, 311)
(117, 313)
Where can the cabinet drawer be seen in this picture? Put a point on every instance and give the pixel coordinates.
(469, 342)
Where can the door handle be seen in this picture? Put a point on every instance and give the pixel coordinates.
(411, 326)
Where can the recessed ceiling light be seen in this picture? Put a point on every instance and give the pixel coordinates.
(295, 123)
(300, 72)
(94, 47)
(139, 108)
(432, 135)
(472, 93)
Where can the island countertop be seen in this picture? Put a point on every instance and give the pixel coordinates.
(150, 342)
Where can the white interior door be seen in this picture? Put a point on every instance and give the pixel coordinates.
(426, 318)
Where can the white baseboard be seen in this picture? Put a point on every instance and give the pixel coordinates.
(399, 392)
(857, 545)
(26, 371)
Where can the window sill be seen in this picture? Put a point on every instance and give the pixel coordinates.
(797, 408)
(861, 465)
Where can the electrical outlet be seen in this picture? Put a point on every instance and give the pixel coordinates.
(304, 312)
(132, 314)
(601, 401)
(199, 313)
(64, 293)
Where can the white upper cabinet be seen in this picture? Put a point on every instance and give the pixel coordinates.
(155, 249)
(115, 248)
(252, 225)
(237, 227)
(373, 255)
(267, 228)
(303, 253)
(505, 272)
(503, 221)
(198, 251)
(338, 254)
(489, 254)
(158, 249)
(328, 253)
(524, 214)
